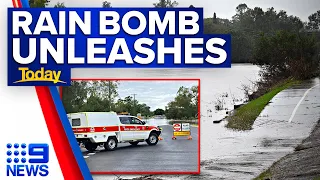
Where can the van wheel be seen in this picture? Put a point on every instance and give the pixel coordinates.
(134, 143)
(153, 139)
(90, 146)
(111, 144)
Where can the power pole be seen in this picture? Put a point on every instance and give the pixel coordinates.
(134, 104)
(109, 95)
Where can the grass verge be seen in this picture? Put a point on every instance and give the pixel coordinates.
(245, 116)
(263, 176)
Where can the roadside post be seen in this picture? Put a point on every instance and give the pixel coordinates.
(181, 129)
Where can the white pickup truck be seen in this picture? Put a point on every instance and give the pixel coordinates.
(108, 129)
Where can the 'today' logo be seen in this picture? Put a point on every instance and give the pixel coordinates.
(27, 160)
(28, 75)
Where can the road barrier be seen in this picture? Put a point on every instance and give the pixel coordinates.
(181, 129)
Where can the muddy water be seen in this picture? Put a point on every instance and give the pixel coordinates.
(226, 154)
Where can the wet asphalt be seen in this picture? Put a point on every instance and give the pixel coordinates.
(168, 155)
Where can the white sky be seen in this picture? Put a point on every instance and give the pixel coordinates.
(156, 94)
(223, 8)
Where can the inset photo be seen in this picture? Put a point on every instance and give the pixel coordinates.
(136, 126)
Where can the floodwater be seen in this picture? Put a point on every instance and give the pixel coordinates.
(227, 154)
(156, 122)
(244, 155)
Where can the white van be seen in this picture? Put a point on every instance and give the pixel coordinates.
(107, 128)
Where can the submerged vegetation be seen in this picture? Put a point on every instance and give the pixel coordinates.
(263, 176)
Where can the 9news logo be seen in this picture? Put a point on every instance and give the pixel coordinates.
(27, 160)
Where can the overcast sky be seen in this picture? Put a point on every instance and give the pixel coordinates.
(156, 94)
(223, 8)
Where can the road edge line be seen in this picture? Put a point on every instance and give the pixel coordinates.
(299, 103)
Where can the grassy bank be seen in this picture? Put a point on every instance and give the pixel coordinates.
(267, 175)
(263, 176)
(245, 116)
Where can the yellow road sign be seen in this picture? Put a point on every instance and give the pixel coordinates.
(181, 133)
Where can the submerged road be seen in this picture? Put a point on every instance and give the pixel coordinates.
(168, 155)
(282, 125)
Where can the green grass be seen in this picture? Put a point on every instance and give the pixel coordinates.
(264, 175)
(245, 116)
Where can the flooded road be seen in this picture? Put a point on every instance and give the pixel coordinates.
(156, 122)
(243, 155)
(226, 154)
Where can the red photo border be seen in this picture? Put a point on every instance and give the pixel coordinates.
(147, 79)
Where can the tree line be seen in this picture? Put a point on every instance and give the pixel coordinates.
(282, 45)
(185, 104)
(99, 96)
(102, 96)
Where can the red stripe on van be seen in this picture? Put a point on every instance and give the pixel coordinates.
(95, 129)
(136, 128)
(112, 128)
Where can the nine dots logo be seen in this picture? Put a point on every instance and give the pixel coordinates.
(14, 151)
(27, 160)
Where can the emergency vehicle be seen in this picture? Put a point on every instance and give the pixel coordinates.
(108, 129)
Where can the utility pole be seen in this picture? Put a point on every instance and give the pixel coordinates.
(109, 95)
(134, 104)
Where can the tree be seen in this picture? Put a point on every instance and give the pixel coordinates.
(90, 96)
(105, 90)
(127, 105)
(254, 21)
(99, 96)
(165, 4)
(195, 95)
(106, 4)
(246, 26)
(74, 96)
(314, 21)
(185, 104)
(214, 18)
(159, 112)
(59, 5)
(143, 109)
(38, 3)
(286, 54)
(95, 104)
(241, 8)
